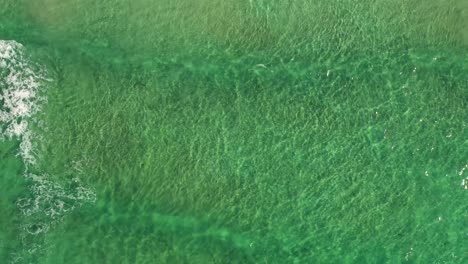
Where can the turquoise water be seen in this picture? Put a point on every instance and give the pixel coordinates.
(233, 131)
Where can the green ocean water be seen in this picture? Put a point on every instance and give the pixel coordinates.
(222, 131)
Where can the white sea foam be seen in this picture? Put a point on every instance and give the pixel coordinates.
(21, 86)
(19, 97)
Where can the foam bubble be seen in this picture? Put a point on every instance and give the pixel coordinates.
(19, 97)
(20, 100)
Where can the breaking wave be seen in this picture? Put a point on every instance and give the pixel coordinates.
(22, 85)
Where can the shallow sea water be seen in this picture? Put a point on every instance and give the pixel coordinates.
(233, 131)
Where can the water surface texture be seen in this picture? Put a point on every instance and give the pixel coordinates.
(222, 131)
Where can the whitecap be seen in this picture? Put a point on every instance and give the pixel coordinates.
(22, 85)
